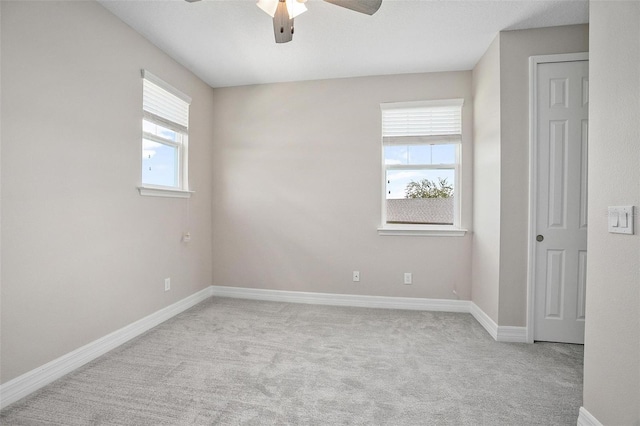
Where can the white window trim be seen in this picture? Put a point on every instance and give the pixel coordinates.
(182, 191)
(422, 231)
(394, 229)
(158, 191)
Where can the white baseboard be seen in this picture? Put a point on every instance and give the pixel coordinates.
(484, 320)
(500, 333)
(585, 418)
(418, 304)
(512, 334)
(37, 378)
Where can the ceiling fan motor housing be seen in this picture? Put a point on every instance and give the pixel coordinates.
(282, 24)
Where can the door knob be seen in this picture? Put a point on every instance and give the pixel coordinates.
(539, 238)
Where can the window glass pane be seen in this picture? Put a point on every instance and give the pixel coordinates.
(443, 154)
(395, 154)
(163, 132)
(399, 183)
(159, 164)
(420, 196)
(419, 154)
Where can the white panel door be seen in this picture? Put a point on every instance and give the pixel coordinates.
(561, 201)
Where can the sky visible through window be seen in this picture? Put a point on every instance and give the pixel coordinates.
(159, 160)
(417, 155)
(159, 163)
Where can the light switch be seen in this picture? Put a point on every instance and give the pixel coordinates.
(621, 219)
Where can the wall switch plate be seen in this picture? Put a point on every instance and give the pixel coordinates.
(167, 284)
(356, 276)
(186, 237)
(621, 220)
(408, 278)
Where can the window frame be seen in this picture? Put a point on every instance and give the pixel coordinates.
(182, 147)
(424, 140)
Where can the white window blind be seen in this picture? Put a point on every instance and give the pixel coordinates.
(164, 104)
(431, 122)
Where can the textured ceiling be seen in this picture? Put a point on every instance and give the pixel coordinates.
(231, 42)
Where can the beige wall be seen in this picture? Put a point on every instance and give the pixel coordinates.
(515, 49)
(297, 178)
(612, 337)
(83, 254)
(501, 166)
(485, 248)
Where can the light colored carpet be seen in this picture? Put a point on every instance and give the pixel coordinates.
(234, 362)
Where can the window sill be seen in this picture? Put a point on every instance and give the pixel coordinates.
(423, 231)
(164, 192)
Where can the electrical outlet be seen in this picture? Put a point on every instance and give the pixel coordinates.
(356, 276)
(167, 284)
(186, 237)
(408, 278)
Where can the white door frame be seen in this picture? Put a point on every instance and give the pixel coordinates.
(534, 61)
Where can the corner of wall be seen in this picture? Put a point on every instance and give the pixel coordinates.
(486, 181)
(515, 49)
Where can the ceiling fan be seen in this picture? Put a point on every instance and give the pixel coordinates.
(283, 12)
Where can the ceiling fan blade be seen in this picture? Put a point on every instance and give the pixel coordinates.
(363, 6)
(282, 24)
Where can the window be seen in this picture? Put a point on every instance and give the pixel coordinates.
(421, 166)
(165, 134)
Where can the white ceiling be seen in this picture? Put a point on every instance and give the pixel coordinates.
(231, 42)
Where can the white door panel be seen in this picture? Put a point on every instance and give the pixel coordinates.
(561, 201)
